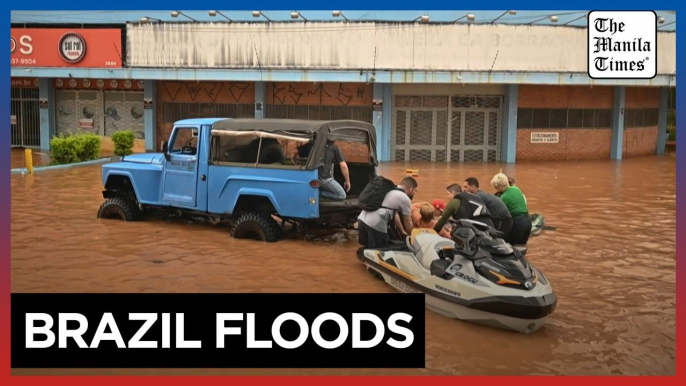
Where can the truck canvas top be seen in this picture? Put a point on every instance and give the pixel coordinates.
(294, 129)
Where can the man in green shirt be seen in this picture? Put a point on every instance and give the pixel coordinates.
(464, 206)
(513, 198)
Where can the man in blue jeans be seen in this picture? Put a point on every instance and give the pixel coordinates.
(328, 187)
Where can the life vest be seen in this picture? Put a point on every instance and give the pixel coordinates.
(472, 207)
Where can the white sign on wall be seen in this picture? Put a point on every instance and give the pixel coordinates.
(622, 44)
(545, 137)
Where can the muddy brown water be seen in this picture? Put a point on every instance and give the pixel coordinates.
(611, 262)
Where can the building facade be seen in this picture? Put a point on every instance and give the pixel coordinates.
(439, 92)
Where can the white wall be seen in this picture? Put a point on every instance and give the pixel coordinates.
(451, 47)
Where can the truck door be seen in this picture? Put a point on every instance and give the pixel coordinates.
(181, 168)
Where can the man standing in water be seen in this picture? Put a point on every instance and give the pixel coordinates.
(499, 212)
(372, 227)
(465, 206)
(513, 198)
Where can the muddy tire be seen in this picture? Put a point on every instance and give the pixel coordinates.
(119, 208)
(258, 226)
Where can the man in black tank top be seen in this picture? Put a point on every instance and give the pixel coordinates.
(464, 206)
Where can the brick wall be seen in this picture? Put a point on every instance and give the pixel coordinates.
(575, 97)
(574, 143)
(642, 98)
(207, 95)
(640, 141)
(319, 94)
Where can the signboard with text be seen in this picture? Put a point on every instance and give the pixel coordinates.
(43, 47)
(545, 137)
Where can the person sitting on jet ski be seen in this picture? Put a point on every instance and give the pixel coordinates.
(499, 213)
(516, 203)
(372, 227)
(438, 205)
(424, 216)
(464, 206)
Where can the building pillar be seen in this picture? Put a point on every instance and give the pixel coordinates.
(509, 137)
(260, 96)
(618, 123)
(662, 120)
(150, 114)
(46, 93)
(382, 120)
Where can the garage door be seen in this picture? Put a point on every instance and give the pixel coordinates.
(446, 128)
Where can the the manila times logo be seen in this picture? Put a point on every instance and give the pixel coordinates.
(622, 44)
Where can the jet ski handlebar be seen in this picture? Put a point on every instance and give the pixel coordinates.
(478, 227)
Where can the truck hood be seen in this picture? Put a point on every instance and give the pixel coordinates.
(147, 158)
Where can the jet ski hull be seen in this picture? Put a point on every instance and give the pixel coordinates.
(485, 304)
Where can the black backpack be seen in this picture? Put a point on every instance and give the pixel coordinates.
(374, 193)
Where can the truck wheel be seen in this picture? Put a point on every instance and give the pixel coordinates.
(119, 208)
(256, 225)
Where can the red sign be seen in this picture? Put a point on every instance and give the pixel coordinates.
(24, 83)
(85, 123)
(99, 84)
(47, 47)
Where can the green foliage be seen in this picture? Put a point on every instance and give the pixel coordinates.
(72, 148)
(123, 142)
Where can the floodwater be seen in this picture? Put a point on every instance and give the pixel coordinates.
(611, 262)
(18, 160)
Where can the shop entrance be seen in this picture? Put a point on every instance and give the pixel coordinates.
(25, 117)
(446, 128)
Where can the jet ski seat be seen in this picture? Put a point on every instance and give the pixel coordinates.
(425, 244)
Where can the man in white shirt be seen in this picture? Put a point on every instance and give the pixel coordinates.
(372, 227)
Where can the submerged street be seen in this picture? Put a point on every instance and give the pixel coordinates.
(611, 262)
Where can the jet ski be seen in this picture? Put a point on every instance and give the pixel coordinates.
(475, 277)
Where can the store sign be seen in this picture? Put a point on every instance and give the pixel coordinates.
(85, 123)
(545, 137)
(147, 104)
(24, 82)
(72, 47)
(43, 47)
(13, 119)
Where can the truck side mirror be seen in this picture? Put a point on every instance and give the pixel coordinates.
(165, 150)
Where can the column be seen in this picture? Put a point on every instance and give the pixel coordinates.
(618, 123)
(382, 120)
(662, 120)
(150, 115)
(509, 138)
(46, 92)
(260, 96)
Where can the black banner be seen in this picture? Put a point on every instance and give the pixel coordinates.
(217, 330)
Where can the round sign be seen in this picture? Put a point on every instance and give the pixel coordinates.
(72, 83)
(114, 83)
(86, 83)
(141, 84)
(72, 47)
(59, 83)
(14, 45)
(35, 82)
(127, 83)
(101, 83)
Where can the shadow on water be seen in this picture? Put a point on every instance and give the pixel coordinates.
(611, 261)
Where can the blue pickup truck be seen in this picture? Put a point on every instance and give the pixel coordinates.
(237, 171)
